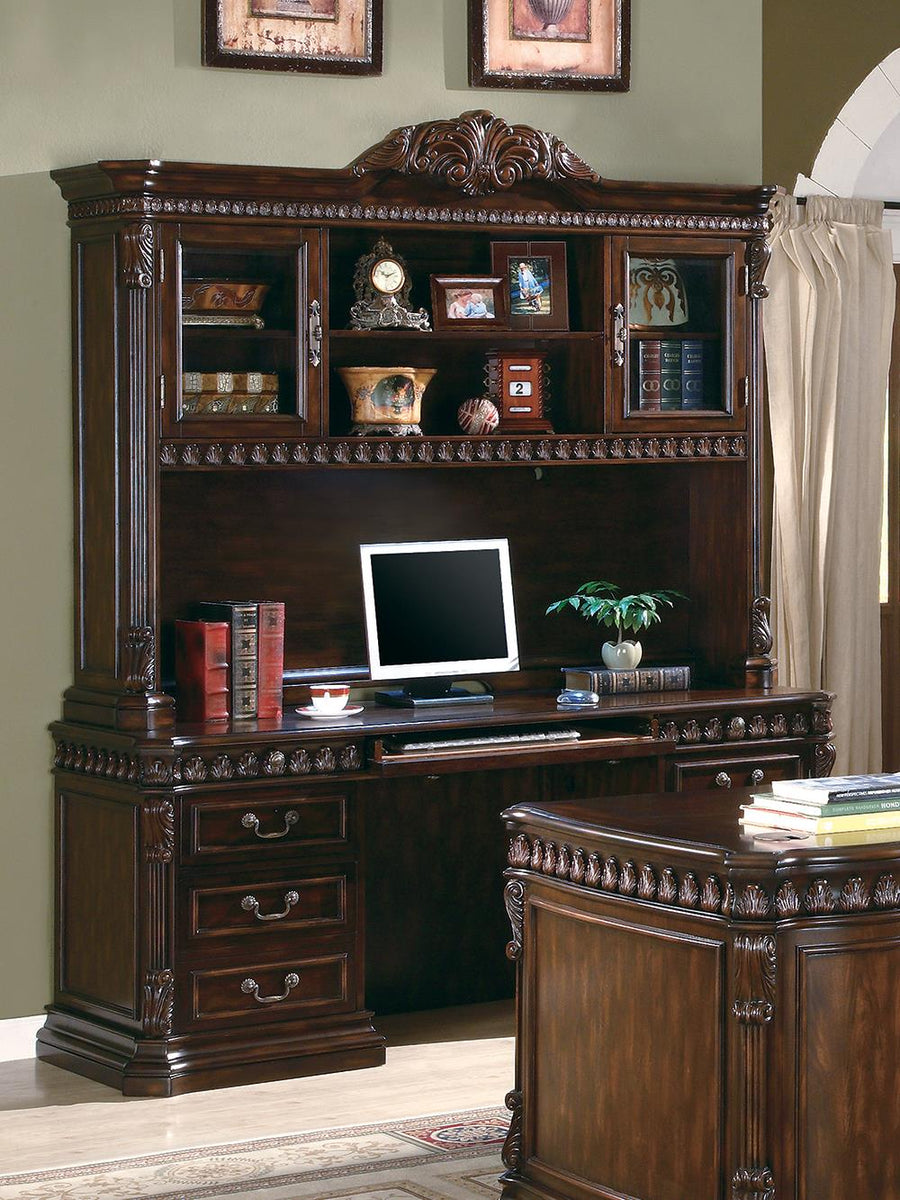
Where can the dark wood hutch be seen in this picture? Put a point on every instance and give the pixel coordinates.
(166, 980)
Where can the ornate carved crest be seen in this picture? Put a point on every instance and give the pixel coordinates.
(477, 153)
(137, 255)
(139, 659)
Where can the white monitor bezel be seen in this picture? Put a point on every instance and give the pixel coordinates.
(399, 671)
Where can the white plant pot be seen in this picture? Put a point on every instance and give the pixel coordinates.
(621, 656)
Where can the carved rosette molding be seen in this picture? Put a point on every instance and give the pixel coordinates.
(270, 763)
(136, 244)
(514, 900)
(422, 214)
(416, 452)
(158, 831)
(661, 884)
(477, 153)
(511, 1153)
(749, 1183)
(139, 659)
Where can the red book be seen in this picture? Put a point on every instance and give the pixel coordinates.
(201, 670)
(649, 376)
(270, 668)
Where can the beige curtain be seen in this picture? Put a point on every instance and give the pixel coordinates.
(827, 333)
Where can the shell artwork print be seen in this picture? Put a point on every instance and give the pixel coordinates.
(550, 20)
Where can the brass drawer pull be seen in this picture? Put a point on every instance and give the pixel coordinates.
(757, 775)
(251, 904)
(251, 821)
(251, 986)
(723, 779)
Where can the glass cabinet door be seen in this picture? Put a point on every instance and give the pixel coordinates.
(677, 336)
(241, 333)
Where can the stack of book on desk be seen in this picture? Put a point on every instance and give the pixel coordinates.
(835, 805)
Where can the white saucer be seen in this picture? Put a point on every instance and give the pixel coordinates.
(350, 711)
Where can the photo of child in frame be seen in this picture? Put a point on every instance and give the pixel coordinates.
(529, 287)
(467, 304)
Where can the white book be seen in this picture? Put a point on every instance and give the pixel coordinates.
(838, 787)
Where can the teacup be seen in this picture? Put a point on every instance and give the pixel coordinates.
(329, 697)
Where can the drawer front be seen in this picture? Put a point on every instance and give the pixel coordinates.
(321, 901)
(291, 987)
(703, 775)
(255, 825)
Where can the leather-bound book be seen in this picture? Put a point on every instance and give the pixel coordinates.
(201, 670)
(270, 671)
(242, 616)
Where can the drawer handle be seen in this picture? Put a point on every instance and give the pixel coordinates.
(757, 775)
(251, 904)
(251, 986)
(723, 779)
(251, 821)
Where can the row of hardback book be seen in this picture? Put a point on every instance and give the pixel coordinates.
(670, 374)
(229, 661)
(605, 682)
(837, 804)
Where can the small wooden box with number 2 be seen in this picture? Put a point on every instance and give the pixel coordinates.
(516, 384)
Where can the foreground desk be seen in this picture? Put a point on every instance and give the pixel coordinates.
(702, 1015)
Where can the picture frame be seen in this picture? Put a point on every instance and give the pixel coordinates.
(550, 45)
(467, 302)
(332, 37)
(537, 290)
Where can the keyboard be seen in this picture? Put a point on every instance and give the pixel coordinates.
(538, 738)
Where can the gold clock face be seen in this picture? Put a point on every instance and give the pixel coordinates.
(387, 276)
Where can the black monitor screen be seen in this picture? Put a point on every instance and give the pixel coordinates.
(451, 604)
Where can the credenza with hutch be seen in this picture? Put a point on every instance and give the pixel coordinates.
(234, 900)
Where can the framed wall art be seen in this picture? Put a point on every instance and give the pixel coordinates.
(333, 37)
(562, 45)
(536, 286)
(468, 302)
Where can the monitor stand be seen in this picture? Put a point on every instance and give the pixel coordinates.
(430, 693)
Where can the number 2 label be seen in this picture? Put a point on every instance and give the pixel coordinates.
(519, 387)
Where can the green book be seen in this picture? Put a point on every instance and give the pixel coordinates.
(839, 808)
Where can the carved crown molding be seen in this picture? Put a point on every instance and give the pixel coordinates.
(655, 222)
(268, 763)
(400, 451)
(477, 153)
(661, 884)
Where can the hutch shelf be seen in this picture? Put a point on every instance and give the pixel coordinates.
(234, 901)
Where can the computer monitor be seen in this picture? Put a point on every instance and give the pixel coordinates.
(438, 610)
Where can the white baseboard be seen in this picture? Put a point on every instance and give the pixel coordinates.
(17, 1037)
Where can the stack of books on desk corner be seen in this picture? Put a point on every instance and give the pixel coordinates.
(229, 661)
(617, 683)
(835, 805)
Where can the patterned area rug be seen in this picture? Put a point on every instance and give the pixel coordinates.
(455, 1156)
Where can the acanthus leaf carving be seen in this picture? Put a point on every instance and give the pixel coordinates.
(511, 1153)
(754, 978)
(519, 851)
(514, 901)
(760, 630)
(477, 153)
(753, 1183)
(139, 659)
(158, 831)
(136, 243)
(758, 254)
(158, 1003)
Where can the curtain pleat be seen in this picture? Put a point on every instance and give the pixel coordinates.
(827, 333)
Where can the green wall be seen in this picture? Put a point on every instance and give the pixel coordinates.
(122, 78)
(815, 56)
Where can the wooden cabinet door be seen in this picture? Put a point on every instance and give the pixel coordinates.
(677, 336)
(241, 332)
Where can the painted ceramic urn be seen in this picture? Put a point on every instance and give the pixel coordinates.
(550, 13)
(386, 400)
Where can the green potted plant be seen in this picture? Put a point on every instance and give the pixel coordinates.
(603, 602)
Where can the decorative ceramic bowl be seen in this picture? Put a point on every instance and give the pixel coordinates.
(386, 400)
(222, 296)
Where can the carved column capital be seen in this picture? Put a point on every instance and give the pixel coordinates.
(136, 243)
(158, 1003)
(514, 899)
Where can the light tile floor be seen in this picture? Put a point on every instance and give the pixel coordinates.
(437, 1062)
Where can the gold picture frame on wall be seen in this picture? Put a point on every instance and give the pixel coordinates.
(332, 37)
(550, 45)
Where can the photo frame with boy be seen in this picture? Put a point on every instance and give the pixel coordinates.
(537, 291)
